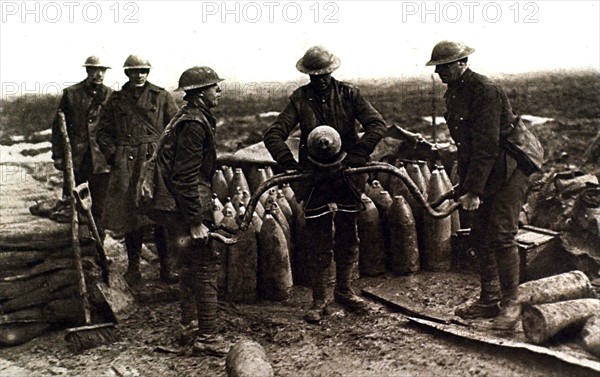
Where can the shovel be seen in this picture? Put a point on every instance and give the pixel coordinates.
(84, 200)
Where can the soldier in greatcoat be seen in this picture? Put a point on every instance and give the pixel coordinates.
(491, 182)
(129, 128)
(82, 104)
(340, 105)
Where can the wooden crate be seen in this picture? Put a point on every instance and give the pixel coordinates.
(533, 242)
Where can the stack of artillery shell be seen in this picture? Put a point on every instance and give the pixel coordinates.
(557, 304)
(38, 279)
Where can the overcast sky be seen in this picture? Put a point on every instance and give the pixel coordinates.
(44, 43)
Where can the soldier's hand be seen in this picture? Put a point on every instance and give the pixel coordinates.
(59, 164)
(199, 232)
(469, 201)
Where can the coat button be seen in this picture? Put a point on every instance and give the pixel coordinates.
(458, 144)
(461, 118)
(130, 157)
(90, 120)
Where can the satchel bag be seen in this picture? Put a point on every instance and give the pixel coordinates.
(523, 145)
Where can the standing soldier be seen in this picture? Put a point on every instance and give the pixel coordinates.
(185, 163)
(129, 128)
(82, 104)
(326, 101)
(491, 184)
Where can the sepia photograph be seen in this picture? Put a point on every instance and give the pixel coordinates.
(299, 188)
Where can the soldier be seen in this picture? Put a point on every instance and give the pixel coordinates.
(326, 101)
(186, 161)
(490, 184)
(128, 131)
(82, 104)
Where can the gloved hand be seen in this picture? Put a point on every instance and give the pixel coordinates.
(289, 165)
(354, 160)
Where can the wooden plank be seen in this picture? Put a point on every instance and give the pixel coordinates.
(473, 334)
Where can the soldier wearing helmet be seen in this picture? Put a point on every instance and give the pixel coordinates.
(82, 103)
(186, 161)
(129, 128)
(339, 105)
(491, 183)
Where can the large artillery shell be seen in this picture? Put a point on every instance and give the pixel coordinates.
(425, 171)
(228, 173)
(285, 208)
(404, 247)
(437, 233)
(370, 232)
(567, 286)
(374, 189)
(241, 267)
(219, 185)
(590, 335)
(454, 216)
(222, 250)
(275, 271)
(417, 177)
(248, 359)
(238, 180)
(277, 213)
(236, 199)
(542, 322)
(299, 259)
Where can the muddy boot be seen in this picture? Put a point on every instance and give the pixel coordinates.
(133, 244)
(316, 313)
(508, 271)
(167, 261)
(488, 303)
(210, 345)
(344, 295)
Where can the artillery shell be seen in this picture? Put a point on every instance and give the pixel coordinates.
(370, 232)
(238, 180)
(404, 247)
(242, 266)
(275, 271)
(219, 185)
(436, 251)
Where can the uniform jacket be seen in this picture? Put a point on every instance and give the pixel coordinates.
(82, 108)
(477, 109)
(185, 164)
(127, 134)
(340, 109)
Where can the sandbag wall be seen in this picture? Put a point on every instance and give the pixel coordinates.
(396, 235)
(38, 278)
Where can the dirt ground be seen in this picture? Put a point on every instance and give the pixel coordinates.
(383, 343)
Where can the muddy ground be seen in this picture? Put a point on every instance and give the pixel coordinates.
(383, 343)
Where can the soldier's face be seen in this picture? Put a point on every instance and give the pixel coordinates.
(137, 77)
(449, 72)
(320, 82)
(212, 95)
(95, 75)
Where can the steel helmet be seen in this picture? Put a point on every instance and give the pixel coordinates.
(448, 52)
(318, 61)
(94, 61)
(325, 146)
(136, 62)
(198, 77)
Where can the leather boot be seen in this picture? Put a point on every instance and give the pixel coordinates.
(167, 261)
(133, 244)
(343, 294)
(508, 271)
(488, 303)
(319, 295)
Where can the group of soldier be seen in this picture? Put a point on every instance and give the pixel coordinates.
(116, 136)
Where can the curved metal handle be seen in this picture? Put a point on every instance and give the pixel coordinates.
(276, 180)
(376, 167)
